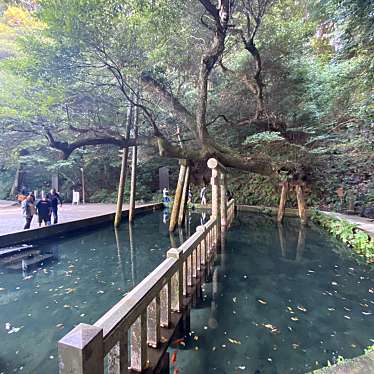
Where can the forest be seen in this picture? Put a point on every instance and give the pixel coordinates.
(276, 90)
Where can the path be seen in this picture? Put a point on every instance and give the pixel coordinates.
(11, 219)
(363, 223)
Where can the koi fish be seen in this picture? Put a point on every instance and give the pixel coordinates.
(179, 341)
(174, 358)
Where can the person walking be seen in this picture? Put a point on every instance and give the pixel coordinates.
(44, 211)
(203, 195)
(55, 199)
(28, 211)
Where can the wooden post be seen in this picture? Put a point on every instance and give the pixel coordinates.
(122, 178)
(282, 202)
(223, 187)
(121, 187)
(134, 161)
(81, 351)
(183, 205)
(301, 204)
(178, 195)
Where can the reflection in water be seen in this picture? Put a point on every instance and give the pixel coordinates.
(132, 254)
(203, 218)
(300, 241)
(89, 273)
(117, 234)
(287, 301)
(165, 215)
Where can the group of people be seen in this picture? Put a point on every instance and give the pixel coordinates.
(45, 208)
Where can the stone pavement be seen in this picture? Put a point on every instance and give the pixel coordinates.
(11, 219)
(363, 223)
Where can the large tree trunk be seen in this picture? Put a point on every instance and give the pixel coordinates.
(18, 178)
(178, 196)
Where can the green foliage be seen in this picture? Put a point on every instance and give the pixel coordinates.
(348, 233)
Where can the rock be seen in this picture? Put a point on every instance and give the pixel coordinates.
(367, 212)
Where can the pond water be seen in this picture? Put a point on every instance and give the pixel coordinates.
(287, 301)
(89, 273)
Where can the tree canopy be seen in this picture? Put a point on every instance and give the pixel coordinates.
(279, 88)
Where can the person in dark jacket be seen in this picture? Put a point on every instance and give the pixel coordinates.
(44, 211)
(55, 199)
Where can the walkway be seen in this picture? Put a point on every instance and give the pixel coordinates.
(11, 219)
(363, 223)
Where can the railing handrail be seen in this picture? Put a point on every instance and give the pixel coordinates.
(123, 314)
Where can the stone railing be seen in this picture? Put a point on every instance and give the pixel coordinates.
(139, 322)
(230, 211)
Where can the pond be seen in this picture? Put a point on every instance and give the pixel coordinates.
(86, 274)
(283, 300)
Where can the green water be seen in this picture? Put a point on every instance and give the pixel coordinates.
(90, 273)
(279, 309)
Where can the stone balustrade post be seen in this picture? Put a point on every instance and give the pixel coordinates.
(81, 351)
(203, 245)
(177, 280)
(216, 199)
(139, 343)
(223, 190)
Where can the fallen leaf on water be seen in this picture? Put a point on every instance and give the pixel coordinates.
(300, 307)
(270, 327)
(15, 330)
(262, 301)
(233, 341)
